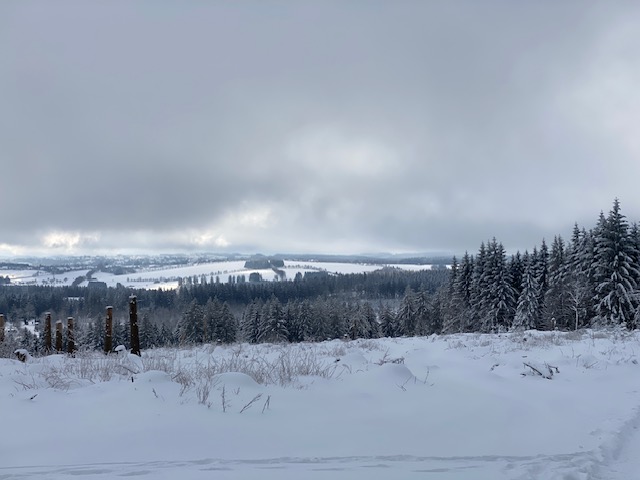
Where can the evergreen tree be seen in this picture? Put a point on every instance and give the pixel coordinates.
(407, 313)
(501, 301)
(306, 328)
(542, 272)
(212, 320)
(616, 273)
(580, 285)
(336, 319)
(452, 308)
(226, 328)
(315, 320)
(167, 337)
(557, 304)
(422, 314)
(528, 309)
(478, 293)
(146, 341)
(462, 294)
(191, 327)
(251, 320)
(359, 326)
(273, 327)
(292, 320)
(516, 271)
(388, 326)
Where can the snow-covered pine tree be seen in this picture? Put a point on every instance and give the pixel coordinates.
(226, 329)
(462, 292)
(293, 321)
(451, 308)
(541, 266)
(273, 327)
(407, 313)
(336, 319)
(190, 327)
(478, 292)
(306, 321)
(167, 336)
(528, 309)
(516, 271)
(315, 320)
(423, 323)
(434, 314)
(501, 299)
(211, 318)
(372, 320)
(388, 326)
(557, 304)
(579, 279)
(616, 271)
(145, 333)
(358, 323)
(249, 325)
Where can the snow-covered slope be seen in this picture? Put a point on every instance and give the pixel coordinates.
(448, 407)
(166, 277)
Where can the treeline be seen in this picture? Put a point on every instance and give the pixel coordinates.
(317, 306)
(317, 319)
(591, 280)
(387, 283)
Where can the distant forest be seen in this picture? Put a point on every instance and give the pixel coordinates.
(591, 279)
(315, 306)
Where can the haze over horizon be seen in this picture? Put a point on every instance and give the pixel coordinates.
(313, 127)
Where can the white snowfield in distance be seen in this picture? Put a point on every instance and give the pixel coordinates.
(463, 407)
(166, 277)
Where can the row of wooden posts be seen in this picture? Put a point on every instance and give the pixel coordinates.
(71, 344)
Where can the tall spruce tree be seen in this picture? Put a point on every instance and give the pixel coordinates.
(388, 326)
(462, 293)
(407, 313)
(616, 271)
(451, 314)
(478, 291)
(580, 277)
(557, 305)
(542, 272)
(501, 299)
(516, 270)
(528, 309)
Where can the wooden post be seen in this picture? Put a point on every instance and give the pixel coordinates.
(47, 333)
(108, 332)
(133, 324)
(58, 336)
(1, 328)
(71, 339)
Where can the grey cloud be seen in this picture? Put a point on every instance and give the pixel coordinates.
(314, 125)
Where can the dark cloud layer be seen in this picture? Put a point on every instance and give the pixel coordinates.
(313, 126)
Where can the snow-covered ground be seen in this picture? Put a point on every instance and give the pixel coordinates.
(446, 407)
(167, 277)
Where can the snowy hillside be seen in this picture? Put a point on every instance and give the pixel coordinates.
(516, 406)
(166, 277)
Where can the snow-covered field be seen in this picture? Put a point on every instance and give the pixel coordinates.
(444, 407)
(167, 277)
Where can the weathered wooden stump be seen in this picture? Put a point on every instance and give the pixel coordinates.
(108, 332)
(133, 324)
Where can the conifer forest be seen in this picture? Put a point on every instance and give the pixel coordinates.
(591, 278)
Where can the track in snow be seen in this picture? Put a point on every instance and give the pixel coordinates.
(335, 468)
(620, 457)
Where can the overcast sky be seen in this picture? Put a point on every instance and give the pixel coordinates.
(320, 126)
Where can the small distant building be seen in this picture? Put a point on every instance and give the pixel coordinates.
(97, 285)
